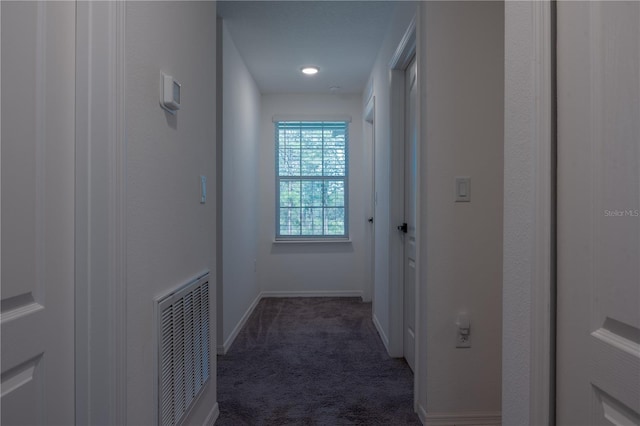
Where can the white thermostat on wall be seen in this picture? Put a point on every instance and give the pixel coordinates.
(170, 98)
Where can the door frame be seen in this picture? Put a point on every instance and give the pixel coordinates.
(101, 284)
(529, 214)
(404, 53)
(369, 122)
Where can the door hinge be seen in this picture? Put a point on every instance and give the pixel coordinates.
(403, 228)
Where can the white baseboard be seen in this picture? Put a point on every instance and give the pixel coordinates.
(329, 293)
(422, 414)
(476, 418)
(383, 337)
(212, 416)
(224, 348)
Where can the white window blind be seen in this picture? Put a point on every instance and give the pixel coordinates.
(311, 179)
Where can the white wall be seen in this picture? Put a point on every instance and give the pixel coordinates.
(170, 235)
(240, 150)
(385, 226)
(461, 46)
(334, 268)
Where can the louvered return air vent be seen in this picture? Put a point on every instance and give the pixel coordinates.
(183, 349)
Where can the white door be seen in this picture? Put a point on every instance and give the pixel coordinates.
(598, 322)
(37, 272)
(370, 161)
(410, 176)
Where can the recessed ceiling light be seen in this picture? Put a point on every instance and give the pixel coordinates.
(310, 70)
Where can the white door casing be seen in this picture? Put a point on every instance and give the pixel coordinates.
(410, 171)
(370, 161)
(100, 209)
(400, 61)
(38, 146)
(598, 322)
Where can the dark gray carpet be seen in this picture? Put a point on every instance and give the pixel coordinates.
(313, 361)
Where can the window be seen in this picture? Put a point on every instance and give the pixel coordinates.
(311, 179)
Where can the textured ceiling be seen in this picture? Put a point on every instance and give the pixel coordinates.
(277, 38)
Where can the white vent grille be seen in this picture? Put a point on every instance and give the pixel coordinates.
(183, 349)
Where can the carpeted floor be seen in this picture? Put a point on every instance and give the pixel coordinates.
(313, 361)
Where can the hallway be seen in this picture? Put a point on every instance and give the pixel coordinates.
(140, 154)
(138, 159)
(313, 361)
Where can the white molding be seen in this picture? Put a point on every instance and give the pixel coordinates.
(369, 146)
(542, 385)
(311, 117)
(312, 241)
(369, 110)
(212, 416)
(82, 209)
(532, 149)
(396, 217)
(422, 413)
(401, 59)
(369, 92)
(383, 336)
(224, 348)
(420, 284)
(118, 250)
(476, 418)
(406, 48)
(101, 310)
(323, 293)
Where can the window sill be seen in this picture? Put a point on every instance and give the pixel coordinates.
(314, 241)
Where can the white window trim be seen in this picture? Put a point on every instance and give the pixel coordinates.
(311, 118)
(318, 240)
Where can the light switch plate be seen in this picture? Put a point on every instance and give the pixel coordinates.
(170, 96)
(463, 189)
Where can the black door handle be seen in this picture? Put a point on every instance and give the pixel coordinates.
(370, 219)
(403, 228)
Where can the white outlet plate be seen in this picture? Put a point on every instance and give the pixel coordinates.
(463, 341)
